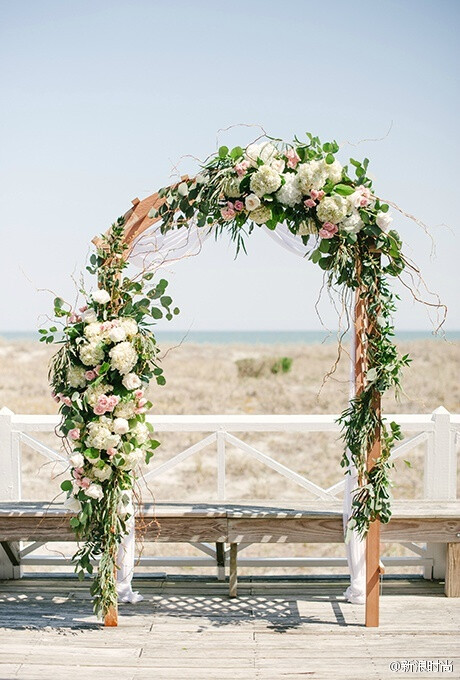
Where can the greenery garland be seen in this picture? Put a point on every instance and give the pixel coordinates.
(109, 353)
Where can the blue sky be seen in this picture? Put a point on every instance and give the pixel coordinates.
(102, 99)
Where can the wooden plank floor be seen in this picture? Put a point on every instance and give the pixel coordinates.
(190, 630)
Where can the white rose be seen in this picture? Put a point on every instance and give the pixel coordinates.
(101, 296)
(252, 202)
(352, 224)
(182, 189)
(72, 504)
(117, 334)
(89, 316)
(131, 381)
(383, 220)
(120, 426)
(95, 491)
(278, 165)
(103, 474)
(77, 460)
(200, 179)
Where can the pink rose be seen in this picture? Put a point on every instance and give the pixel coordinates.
(239, 206)
(74, 318)
(138, 394)
(111, 452)
(227, 213)
(90, 375)
(67, 401)
(83, 309)
(77, 472)
(292, 158)
(317, 195)
(361, 197)
(84, 482)
(142, 402)
(75, 433)
(328, 230)
(241, 168)
(309, 203)
(142, 409)
(112, 402)
(56, 397)
(99, 410)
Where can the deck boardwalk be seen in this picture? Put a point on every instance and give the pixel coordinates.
(190, 630)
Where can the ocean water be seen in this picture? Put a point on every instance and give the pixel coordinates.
(252, 337)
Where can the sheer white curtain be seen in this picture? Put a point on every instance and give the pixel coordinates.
(154, 250)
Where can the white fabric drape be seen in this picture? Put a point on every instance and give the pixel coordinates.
(154, 250)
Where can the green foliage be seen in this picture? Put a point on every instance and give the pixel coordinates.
(282, 365)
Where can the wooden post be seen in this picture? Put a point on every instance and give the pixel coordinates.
(373, 537)
(111, 618)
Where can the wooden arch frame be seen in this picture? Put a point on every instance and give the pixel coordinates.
(137, 221)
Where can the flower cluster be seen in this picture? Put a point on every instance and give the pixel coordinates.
(99, 377)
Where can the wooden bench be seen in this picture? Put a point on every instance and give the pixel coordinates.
(246, 522)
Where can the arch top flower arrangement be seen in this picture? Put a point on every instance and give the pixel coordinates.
(109, 353)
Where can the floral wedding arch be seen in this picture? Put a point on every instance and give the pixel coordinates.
(109, 353)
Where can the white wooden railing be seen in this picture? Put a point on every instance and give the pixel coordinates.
(438, 432)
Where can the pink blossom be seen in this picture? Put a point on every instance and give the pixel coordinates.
(112, 402)
(142, 409)
(328, 230)
(74, 318)
(83, 309)
(241, 168)
(111, 452)
(77, 472)
(361, 197)
(96, 369)
(67, 401)
(99, 410)
(138, 394)
(142, 402)
(228, 213)
(309, 203)
(90, 375)
(239, 206)
(84, 482)
(317, 195)
(56, 397)
(75, 433)
(292, 158)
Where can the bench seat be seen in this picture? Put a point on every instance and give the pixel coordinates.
(247, 522)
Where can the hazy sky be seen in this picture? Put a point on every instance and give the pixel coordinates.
(101, 99)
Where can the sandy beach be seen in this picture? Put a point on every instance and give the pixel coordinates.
(204, 379)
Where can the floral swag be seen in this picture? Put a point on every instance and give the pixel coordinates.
(109, 353)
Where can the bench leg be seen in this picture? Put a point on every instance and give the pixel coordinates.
(10, 565)
(220, 559)
(452, 583)
(233, 579)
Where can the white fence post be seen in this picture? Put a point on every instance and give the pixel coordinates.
(10, 488)
(440, 480)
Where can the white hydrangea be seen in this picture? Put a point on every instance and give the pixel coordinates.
(352, 224)
(334, 171)
(93, 392)
(117, 334)
(265, 151)
(231, 187)
(93, 332)
(141, 432)
(265, 181)
(311, 175)
(101, 296)
(261, 215)
(125, 409)
(133, 459)
(91, 353)
(123, 357)
(289, 194)
(129, 326)
(100, 436)
(76, 376)
(332, 209)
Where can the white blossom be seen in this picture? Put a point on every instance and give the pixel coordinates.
(265, 181)
(89, 316)
(103, 473)
(73, 504)
(332, 209)
(91, 353)
(131, 381)
(265, 151)
(289, 194)
(334, 171)
(95, 491)
(231, 187)
(101, 296)
(261, 215)
(126, 409)
(311, 175)
(117, 334)
(383, 220)
(252, 202)
(123, 357)
(352, 224)
(120, 426)
(129, 326)
(77, 460)
(76, 376)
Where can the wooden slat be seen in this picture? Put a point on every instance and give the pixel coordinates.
(452, 586)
